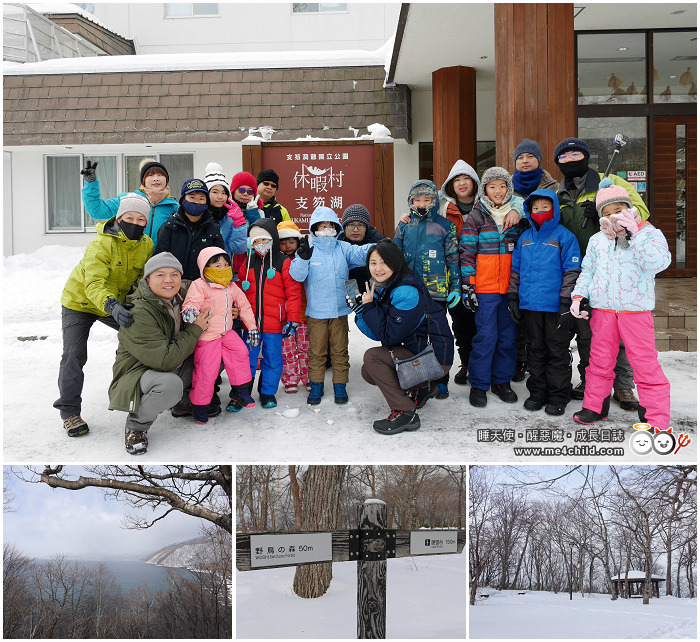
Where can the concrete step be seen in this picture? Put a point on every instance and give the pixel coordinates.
(680, 339)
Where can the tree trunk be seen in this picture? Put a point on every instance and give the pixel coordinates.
(320, 511)
(296, 495)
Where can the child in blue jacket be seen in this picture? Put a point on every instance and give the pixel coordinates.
(323, 267)
(546, 263)
(430, 245)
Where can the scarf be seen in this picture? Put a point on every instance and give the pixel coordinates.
(527, 182)
(222, 276)
(541, 217)
(499, 212)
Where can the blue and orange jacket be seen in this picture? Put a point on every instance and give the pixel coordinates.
(485, 253)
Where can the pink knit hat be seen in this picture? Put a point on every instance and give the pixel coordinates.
(608, 193)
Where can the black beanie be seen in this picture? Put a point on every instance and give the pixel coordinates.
(268, 175)
(150, 164)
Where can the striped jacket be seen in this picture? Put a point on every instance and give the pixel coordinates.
(485, 253)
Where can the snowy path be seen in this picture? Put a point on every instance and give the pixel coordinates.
(543, 615)
(327, 433)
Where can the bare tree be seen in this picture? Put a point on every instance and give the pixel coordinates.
(16, 592)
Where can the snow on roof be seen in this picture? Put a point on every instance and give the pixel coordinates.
(636, 575)
(58, 8)
(204, 61)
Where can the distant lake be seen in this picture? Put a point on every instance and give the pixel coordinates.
(130, 575)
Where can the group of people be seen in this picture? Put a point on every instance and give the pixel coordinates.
(521, 264)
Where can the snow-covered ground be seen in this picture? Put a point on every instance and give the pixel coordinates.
(425, 598)
(293, 431)
(543, 615)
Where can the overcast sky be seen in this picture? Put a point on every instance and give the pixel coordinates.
(83, 524)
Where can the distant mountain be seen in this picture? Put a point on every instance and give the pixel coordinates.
(187, 554)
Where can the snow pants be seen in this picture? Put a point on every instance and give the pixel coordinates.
(328, 335)
(492, 360)
(636, 330)
(75, 327)
(295, 356)
(271, 365)
(548, 358)
(207, 361)
(464, 329)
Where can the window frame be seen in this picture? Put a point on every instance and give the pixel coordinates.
(192, 14)
(320, 12)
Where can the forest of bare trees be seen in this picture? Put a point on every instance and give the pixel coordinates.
(551, 528)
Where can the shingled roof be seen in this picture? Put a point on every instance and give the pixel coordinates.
(199, 106)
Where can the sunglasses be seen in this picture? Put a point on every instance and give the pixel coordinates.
(243, 190)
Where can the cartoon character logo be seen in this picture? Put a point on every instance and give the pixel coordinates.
(664, 443)
(646, 439)
(641, 442)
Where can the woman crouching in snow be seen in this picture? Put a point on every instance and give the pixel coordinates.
(394, 312)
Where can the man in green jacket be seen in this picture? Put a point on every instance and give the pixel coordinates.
(152, 364)
(579, 215)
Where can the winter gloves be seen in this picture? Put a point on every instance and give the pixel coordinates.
(453, 299)
(234, 213)
(120, 312)
(89, 172)
(580, 308)
(566, 320)
(289, 329)
(355, 304)
(590, 211)
(304, 251)
(253, 338)
(189, 314)
(469, 298)
(514, 309)
(629, 220)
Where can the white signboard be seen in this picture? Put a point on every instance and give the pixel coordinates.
(274, 550)
(431, 542)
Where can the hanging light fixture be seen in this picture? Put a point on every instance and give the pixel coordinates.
(656, 74)
(631, 90)
(619, 92)
(666, 92)
(614, 81)
(687, 78)
(693, 90)
(644, 91)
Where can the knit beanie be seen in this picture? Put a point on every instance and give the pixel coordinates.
(133, 202)
(148, 163)
(571, 144)
(356, 213)
(495, 174)
(159, 261)
(608, 193)
(257, 232)
(288, 230)
(268, 175)
(193, 185)
(243, 178)
(423, 188)
(528, 146)
(214, 175)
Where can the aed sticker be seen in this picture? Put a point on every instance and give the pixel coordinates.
(432, 254)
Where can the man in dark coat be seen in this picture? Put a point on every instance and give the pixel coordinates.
(358, 231)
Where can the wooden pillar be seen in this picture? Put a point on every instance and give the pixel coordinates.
(252, 157)
(535, 78)
(384, 188)
(454, 119)
(371, 575)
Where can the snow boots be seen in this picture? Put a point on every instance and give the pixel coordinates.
(241, 398)
(397, 422)
(136, 441)
(340, 394)
(314, 397)
(75, 426)
(587, 417)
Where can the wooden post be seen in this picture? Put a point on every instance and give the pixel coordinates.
(252, 157)
(371, 574)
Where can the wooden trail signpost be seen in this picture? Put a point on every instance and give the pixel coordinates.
(370, 546)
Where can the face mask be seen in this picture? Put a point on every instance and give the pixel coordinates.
(329, 231)
(263, 248)
(222, 276)
(132, 231)
(574, 168)
(541, 217)
(194, 209)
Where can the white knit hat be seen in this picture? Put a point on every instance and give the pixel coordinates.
(257, 232)
(214, 175)
(133, 202)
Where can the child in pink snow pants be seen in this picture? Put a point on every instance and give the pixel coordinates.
(217, 292)
(617, 284)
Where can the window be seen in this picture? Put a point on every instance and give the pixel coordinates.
(116, 174)
(319, 7)
(675, 67)
(189, 9)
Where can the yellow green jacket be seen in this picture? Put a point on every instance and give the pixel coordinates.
(111, 265)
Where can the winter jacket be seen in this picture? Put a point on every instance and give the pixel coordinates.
(272, 209)
(149, 343)
(429, 244)
(325, 273)
(448, 205)
(101, 210)
(112, 264)
(361, 274)
(617, 279)
(572, 206)
(205, 295)
(274, 300)
(485, 253)
(185, 240)
(546, 182)
(397, 316)
(546, 262)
